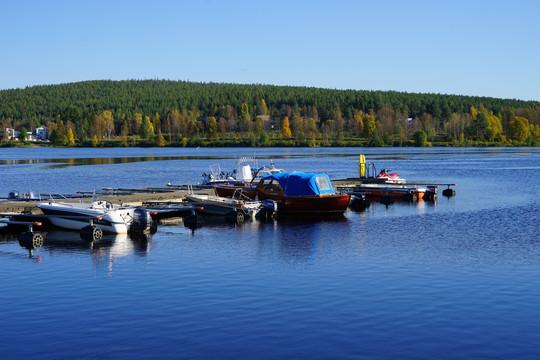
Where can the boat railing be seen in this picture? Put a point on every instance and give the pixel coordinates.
(238, 194)
(51, 197)
(371, 166)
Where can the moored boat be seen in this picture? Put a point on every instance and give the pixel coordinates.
(302, 193)
(399, 192)
(218, 205)
(114, 219)
(246, 171)
(390, 178)
(248, 187)
(228, 190)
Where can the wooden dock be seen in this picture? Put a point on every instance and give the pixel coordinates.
(171, 193)
(133, 199)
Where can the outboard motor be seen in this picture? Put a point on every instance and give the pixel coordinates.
(269, 209)
(141, 220)
(13, 194)
(270, 205)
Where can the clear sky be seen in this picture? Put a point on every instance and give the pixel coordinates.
(471, 47)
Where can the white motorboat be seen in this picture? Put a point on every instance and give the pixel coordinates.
(115, 219)
(246, 171)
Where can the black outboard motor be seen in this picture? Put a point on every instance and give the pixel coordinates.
(141, 220)
(13, 194)
(269, 210)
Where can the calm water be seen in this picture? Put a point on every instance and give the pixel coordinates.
(459, 278)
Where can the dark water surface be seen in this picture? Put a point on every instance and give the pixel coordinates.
(454, 279)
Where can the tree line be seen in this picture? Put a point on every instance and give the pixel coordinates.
(179, 113)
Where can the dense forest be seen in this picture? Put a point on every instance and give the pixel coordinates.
(179, 113)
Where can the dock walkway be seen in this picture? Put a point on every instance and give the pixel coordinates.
(132, 199)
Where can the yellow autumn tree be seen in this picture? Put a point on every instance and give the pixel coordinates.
(109, 122)
(518, 129)
(285, 128)
(495, 125)
(211, 127)
(160, 140)
(264, 108)
(369, 125)
(94, 141)
(147, 129)
(474, 112)
(70, 137)
(98, 127)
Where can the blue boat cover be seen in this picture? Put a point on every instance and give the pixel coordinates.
(302, 184)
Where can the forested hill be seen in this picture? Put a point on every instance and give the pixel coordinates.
(177, 107)
(151, 96)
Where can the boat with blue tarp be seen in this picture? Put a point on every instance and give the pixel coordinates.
(300, 192)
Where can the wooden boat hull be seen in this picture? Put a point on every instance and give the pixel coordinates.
(329, 204)
(227, 190)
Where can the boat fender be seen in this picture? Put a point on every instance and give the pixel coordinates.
(235, 217)
(193, 221)
(30, 240)
(449, 192)
(410, 197)
(91, 233)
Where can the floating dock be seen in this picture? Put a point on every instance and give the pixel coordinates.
(132, 197)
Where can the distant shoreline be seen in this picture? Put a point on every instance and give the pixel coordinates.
(289, 144)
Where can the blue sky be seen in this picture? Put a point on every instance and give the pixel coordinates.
(473, 47)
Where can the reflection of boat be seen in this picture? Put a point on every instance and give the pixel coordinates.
(65, 238)
(109, 218)
(298, 192)
(104, 251)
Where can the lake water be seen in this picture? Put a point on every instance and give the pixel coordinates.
(457, 278)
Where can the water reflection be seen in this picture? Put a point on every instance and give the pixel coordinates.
(60, 163)
(339, 153)
(104, 252)
(302, 239)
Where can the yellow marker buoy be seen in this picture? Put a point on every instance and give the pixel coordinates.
(362, 166)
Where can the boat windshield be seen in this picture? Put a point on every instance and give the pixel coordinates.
(102, 194)
(323, 183)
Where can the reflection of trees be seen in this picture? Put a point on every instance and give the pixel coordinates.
(109, 160)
